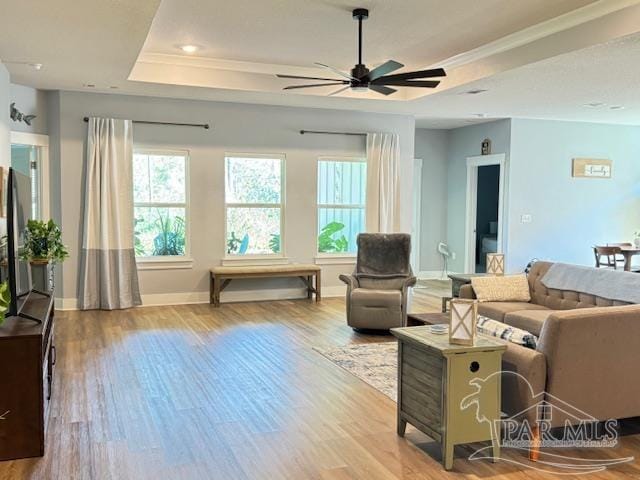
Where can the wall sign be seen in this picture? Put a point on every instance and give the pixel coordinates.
(591, 168)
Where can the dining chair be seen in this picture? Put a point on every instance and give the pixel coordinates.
(620, 258)
(609, 253)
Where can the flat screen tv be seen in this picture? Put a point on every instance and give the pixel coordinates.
(18, 214)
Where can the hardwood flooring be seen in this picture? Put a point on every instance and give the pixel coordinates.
(237, 392)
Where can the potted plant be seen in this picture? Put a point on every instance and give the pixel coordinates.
(42, 246)
(5, 299)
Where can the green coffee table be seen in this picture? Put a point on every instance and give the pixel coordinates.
(433, 379)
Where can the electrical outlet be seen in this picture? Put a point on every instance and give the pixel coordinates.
(526, 218)
(453, 255)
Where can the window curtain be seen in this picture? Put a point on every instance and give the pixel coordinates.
(108, 274)
(383, 194)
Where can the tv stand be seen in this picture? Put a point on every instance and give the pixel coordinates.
(27, 367)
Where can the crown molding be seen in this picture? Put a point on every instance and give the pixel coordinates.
(530, 34)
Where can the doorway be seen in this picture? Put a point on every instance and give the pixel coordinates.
(485, 185)
(30, 157)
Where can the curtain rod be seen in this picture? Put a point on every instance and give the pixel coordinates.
(319, 132)
(146, 122)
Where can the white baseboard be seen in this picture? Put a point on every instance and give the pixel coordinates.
(429, 274)
(189, 298)
(66, 304)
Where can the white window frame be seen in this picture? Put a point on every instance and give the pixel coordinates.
(264, 258)
(167, 262)
(330, 258)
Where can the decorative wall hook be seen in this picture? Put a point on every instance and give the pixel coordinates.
(17, 116)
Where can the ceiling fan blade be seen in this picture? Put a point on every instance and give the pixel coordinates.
(413, 83)
(387, 67)
(435, 72)
(336, 71)
(340, 90)
(382, 89)
(292, 87)
(308, 78)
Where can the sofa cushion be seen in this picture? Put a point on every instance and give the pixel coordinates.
(497, 310)
(508, 288)
(501, 330)
(530, 320)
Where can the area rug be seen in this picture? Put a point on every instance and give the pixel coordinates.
(373, 363)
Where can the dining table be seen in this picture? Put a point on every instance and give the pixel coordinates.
(628, 251)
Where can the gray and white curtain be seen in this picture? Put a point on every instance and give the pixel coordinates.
(383, 189)
(108, 274)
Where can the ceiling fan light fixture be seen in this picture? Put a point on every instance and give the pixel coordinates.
(379, 80)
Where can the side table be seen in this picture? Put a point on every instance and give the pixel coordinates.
(433, 379)
(460, 279)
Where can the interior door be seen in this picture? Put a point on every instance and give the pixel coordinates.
(26, 159)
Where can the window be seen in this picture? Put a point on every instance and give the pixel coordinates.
(254, 204)
(342, 185)
(160, 203)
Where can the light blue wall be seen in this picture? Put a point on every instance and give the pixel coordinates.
(569, 215)
(431, 146)
(30, 101)
(466, 142)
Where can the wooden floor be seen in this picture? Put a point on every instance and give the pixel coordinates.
(193, 392)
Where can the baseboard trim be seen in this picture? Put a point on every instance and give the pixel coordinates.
(234, 296)
(430, 274)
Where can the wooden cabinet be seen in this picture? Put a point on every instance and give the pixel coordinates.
(450, 392)
(27, 366)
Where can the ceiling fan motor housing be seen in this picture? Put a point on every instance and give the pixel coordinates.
(361, 73)
(360, 14)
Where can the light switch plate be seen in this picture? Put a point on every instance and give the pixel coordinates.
(526, 218)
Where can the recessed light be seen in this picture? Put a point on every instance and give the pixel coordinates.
(189, 48)
(113, 87)
(36, 66)
(480, 115)
(616, 107)
(90, 85)
(594, 105)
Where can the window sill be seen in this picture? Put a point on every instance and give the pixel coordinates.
(171, 263)
(258, 260)
(335, 260)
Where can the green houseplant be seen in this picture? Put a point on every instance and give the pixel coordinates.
(5, 299)
(43, 243)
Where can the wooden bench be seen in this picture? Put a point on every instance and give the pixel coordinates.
(220, 277)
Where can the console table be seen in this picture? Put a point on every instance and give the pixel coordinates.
(435, 382)
(27, 361)
(220, 277)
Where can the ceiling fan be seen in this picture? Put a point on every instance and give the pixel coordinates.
(378, 79)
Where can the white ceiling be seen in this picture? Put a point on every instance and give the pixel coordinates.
(300, 32)
(560, 88)
(537, 59)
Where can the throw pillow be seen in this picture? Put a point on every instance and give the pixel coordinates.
(507, 288)
(506, 332)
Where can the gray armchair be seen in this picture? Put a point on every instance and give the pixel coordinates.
(377, 290)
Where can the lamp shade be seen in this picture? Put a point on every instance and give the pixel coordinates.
(462, 321)
(495, 263)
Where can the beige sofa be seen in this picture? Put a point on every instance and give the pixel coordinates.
(587, 353)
